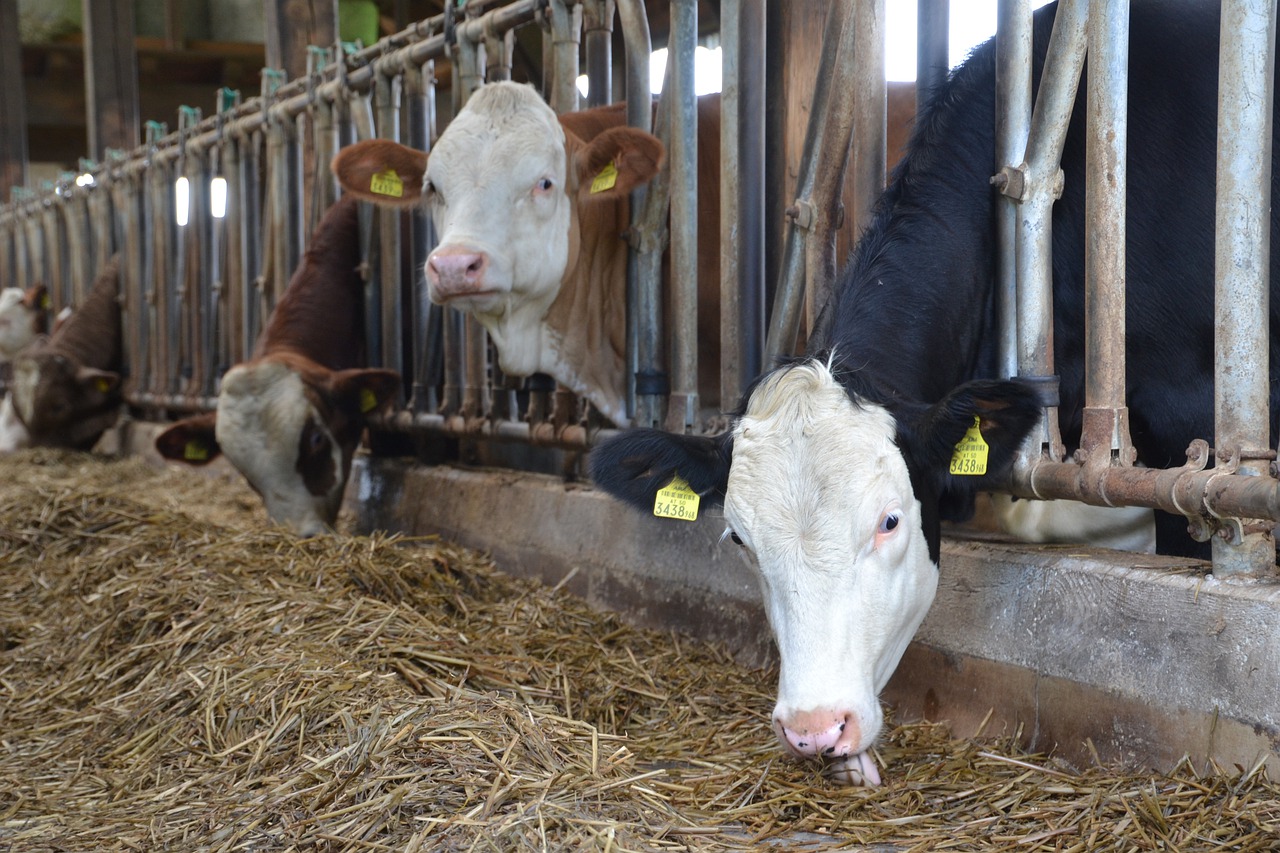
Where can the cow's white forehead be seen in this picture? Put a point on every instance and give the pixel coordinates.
(505, 131)
(10, 297)
(262, 409)
(803, 453)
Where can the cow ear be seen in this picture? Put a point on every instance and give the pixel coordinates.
(193, 440)
(967, 442)
(36, 298)
(617, 161)
(102, 381)
(382, 172)
(370, 390)
(633, 465)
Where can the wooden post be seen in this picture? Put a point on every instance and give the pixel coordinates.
(13, 104)
(110, 76)
(294, 24)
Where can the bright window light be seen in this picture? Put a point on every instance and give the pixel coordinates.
(218, 197)
(181, 200)
(85, 180)
(706, 71)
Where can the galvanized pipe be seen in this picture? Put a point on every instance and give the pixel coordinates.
(1013, 123)
(566, 29)
(682, 155)
(1242, 267)
(933, 56)
(425, 345)
(598, 23)
(648, 239)
(387, 107)
(1105, 437)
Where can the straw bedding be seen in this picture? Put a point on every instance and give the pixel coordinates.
(177, 675)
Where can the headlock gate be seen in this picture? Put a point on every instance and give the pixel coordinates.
(212, 218)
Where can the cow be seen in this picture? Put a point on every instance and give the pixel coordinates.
(66, 388)
(24, 316)
(291, 417)
(839, 466)
(531, 210)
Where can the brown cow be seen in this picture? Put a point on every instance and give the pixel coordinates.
(66, 388)
(290, 418)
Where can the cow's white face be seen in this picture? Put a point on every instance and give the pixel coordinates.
(819, 493)
(13, 433)
(274, 435)
(18, 323)
(496, 186)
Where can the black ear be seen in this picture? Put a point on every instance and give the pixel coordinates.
(634, 465)
(1004, 414)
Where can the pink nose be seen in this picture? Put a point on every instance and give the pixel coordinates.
(456, 272)
(814, 734)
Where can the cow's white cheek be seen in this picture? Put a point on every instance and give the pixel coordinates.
(542, 225)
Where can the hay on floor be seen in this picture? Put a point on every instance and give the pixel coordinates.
(175, 674)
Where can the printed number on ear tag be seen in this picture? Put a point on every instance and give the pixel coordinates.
(195, 451)
(387, 182)
(676, 500)
(368, 401)
(970, 458)
(605, 180)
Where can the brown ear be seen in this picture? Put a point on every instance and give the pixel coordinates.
(633, 156)
(104, 381)
(193, 441)
(382, 172)
(368, 390)
(36, 298)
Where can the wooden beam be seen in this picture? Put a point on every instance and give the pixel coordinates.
(13, 105)
(110, 76)
(294, 24)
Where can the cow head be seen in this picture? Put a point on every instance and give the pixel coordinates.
(60, 402)
(833, 489)
(507, 187)
(291, 427)
(23, 317)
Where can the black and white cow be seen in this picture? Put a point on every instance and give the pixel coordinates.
(837, 470)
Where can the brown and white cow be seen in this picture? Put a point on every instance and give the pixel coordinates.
(66, 388)
(290, 418)
(24, 316)
(530, 208)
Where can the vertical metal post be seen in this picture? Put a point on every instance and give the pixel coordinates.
(1042, 185)
(1105, 438)
(867, 154)
(598, 23)
(682, 412)
(933, 57)
(475, 393)
(1013, 123)
(566, 29)
(426, 346)
(1242, 268)
(387, 106)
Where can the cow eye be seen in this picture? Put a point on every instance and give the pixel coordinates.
(889, 522)
(737, 540)
(544, 185)
(429, 189)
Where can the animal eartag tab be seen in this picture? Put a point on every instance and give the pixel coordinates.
(104, 385)
(676, 500)
(387, 182)
(195, 451)
(606, 179)
(46, 304)
(970, 458)
(368, 401)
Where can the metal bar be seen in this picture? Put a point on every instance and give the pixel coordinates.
(427, 345)
(732, 331)
(682, 409)
(1105, 436)
(933, 60)
(566, 29)
(1013, 123)
(598, 23)
(648, 238)
(1242, 268)
(866, 158)
(387, 109)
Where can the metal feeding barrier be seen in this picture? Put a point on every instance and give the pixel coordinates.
(252, 179)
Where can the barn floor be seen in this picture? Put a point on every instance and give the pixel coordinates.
(176, 674)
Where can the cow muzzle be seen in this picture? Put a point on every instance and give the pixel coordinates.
(832, 737)
(455, 272)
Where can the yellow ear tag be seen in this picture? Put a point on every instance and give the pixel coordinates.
(677, 500)
(104, 386)
(970, 458)
(46, 303)
(606, 179)
(195, 451)
(368, 401)
(387, 182)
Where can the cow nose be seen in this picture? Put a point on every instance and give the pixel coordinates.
(819, 734)
(456, 272)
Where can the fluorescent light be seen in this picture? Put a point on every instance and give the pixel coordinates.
(218, 197)
(181, 200)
